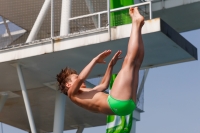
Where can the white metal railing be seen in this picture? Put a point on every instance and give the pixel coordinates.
(114, 10)
(98, 14)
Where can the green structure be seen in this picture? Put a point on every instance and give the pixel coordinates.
(120, 17)
(118, 124)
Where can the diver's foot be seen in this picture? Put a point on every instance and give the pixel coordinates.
(137, 18)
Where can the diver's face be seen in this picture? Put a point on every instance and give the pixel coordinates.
(73, 78)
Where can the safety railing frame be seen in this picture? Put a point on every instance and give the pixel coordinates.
(113, 10)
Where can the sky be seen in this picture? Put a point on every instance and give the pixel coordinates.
(171, 98)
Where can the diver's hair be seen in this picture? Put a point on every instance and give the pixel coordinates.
(63, 77)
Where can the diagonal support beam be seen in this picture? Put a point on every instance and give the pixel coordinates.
(91, 10)
(80, 129)
(4, 97)
(142, 83)
(39, 21)
(26, 100)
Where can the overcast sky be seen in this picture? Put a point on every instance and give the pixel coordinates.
(172, 98)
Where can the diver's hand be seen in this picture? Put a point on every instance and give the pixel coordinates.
(100, 58)
(115, 58)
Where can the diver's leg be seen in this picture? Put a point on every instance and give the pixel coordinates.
(138, 63)
(123, 85)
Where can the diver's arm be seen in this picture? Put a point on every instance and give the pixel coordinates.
(85, 72)
(106, 79)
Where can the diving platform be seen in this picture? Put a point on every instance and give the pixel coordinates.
(41, 60)
(181, 15)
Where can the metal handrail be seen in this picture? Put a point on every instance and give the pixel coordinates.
(116, 9)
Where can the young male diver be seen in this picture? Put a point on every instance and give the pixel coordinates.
(122, 98)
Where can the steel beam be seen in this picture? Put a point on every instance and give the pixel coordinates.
(38, 23)
(108, 15)
(52, 18)
(142, 83)
(80, 129)
(60, 102)
(59, 114)
(133, 128)
(26, 100)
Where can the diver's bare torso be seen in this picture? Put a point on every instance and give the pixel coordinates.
(92, 100)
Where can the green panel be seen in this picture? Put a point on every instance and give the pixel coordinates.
(120, 17)
(118, 124)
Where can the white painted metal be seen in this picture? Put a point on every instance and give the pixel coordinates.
(108, 9)
(7, 28)
(1, 128)
(26, 100)
(52, 18)
(59, 115)
(100, 36)
(99, 20)
(65, 15)
(52, 23)
(112, 10)
(136, 114)
(39, 21)
(127, 7)
(80, 129)
(88, 15)
(150, 10)
(91, 10)
(142, 83)
(108, 15)
(4, 97)
(133, 129)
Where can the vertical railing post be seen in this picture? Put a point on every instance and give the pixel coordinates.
(65, 16)
(52, 18)
(150, 10)
(99, 20)
(52, 23)
(108, 15)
